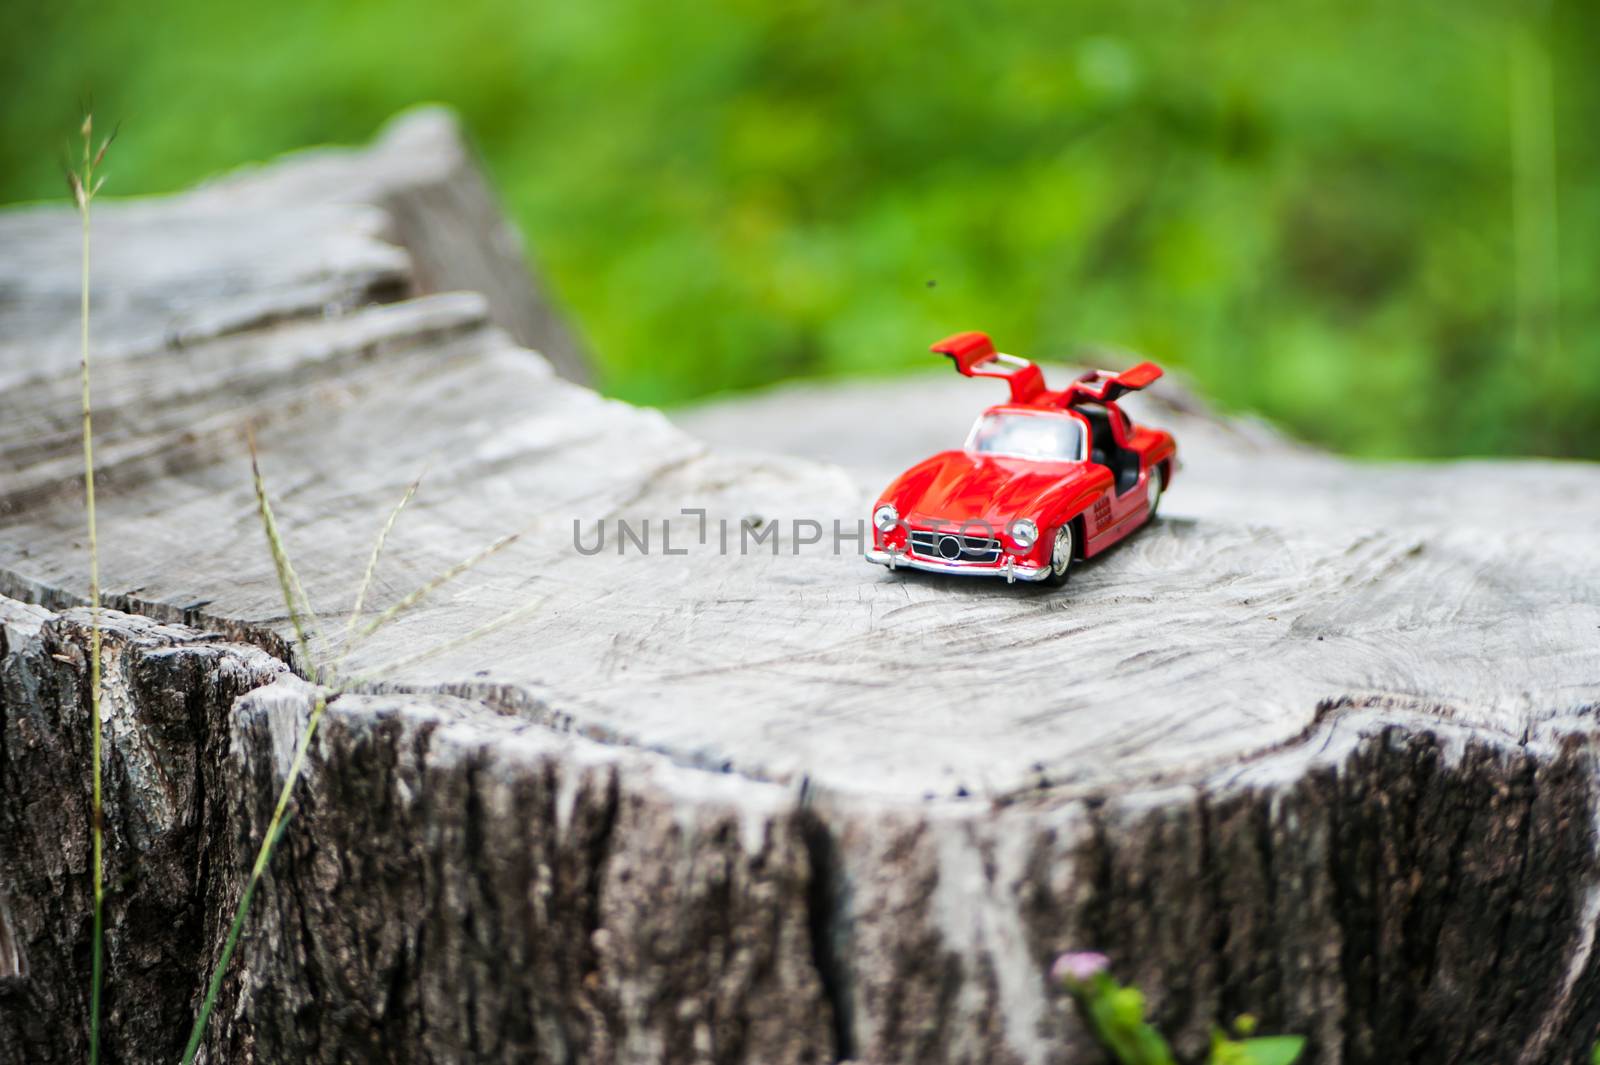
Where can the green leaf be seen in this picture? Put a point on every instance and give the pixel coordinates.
(1224, 1051)
(1116, 1015)
(1272, 1049)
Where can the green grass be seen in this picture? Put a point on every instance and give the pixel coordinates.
(84, 183)
(1374, 223)
(1115, 1014)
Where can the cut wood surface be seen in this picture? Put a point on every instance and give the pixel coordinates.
(1318, 745)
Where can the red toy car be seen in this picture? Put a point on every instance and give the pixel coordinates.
(1042, 479)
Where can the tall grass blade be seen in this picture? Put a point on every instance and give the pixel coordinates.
(303, 621)
(431, 586)
(293, 599)
(83, 189)
(294, 596)
(214, 987)
(377, 552)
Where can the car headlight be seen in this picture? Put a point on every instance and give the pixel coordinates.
(885, 518)
(1025, 533)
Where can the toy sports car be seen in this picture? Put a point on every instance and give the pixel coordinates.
(1042, 479)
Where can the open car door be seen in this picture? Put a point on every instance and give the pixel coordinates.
(1103, 386)
(974, 356)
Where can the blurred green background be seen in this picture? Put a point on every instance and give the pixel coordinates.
(1374, 223)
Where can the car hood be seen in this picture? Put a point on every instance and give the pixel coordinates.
(957, 486)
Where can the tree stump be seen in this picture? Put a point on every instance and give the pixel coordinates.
(1318, 745)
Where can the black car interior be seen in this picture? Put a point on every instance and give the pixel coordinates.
(1104, 449)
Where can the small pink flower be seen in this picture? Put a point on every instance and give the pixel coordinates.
(1077, 967)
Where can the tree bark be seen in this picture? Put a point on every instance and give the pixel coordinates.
(1319, 745)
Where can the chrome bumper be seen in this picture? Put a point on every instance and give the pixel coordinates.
(1007, 569)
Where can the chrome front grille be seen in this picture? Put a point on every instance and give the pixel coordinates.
(952, 546)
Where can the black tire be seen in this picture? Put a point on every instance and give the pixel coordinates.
(1156, 487)
(1061, 555)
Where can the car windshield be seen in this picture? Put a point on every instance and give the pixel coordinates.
(1045, 437)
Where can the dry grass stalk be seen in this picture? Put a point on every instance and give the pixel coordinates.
(303, 621)
(372, 560)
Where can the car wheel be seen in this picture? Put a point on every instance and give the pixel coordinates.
(1154, 488)
(1061, 555)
